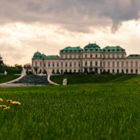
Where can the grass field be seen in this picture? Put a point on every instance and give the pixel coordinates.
(91, 78)
(74, 112)
(6, 78)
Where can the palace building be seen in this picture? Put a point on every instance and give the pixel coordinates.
(90, 59)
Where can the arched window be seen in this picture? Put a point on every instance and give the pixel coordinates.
(61, 64)
(35, 64)
(90, 63)
(90, 55)
(61, 71)
(108, 64)
(85, 63)
(66, 71)
(136, 63)
(66, 64)
(131, 63)
(118, 64)
(113, 64)
(48, 64)
(113, 71)
(122, 64)
(40, 64)
(79, 64)
(53, 71)
(96, 56)
(96, 63)
(74, 64)
(126, 63)
(70, 64)
(57, 71)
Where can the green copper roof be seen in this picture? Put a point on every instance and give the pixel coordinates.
(44, 56)
(113, 49)
(71, 49)
(52, 57)
(92, 47)
(38, 55)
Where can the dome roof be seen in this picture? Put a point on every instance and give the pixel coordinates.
(44, 56)
(113, 49)
(71, 49)
(38, 55)
(92, 47)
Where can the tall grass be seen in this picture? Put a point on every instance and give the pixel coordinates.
(90, 111)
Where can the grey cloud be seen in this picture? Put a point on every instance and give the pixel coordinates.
(76, 15)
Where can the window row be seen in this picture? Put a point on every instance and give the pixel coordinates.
(120, 64)
(126, 71)
(57, 64)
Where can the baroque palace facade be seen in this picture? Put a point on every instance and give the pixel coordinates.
(90, 59)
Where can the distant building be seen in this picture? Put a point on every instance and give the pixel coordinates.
(90, 59)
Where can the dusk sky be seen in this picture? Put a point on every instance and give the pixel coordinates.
(27, 26)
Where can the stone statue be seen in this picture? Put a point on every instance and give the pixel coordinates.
(5, 72)
(65, 82)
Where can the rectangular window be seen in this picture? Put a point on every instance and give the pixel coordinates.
(96, 63)
(131, 63)
(90, 63)
(118, 64)
(108, 64)
(122, 64)
(74, 64)
(79, 64)
(136, 63)
(113, 64)
(48, 64)
(126, 63)
(61, 64)
(35, 64)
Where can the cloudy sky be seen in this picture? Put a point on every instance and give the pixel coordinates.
(27, 26)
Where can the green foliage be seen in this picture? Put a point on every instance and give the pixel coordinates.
(11, 69)
(91, 78)
(76, 112)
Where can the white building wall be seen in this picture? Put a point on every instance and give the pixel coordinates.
(76, 62)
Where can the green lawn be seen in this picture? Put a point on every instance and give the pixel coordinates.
(6, 78)
(91, 78)
(74, 112)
